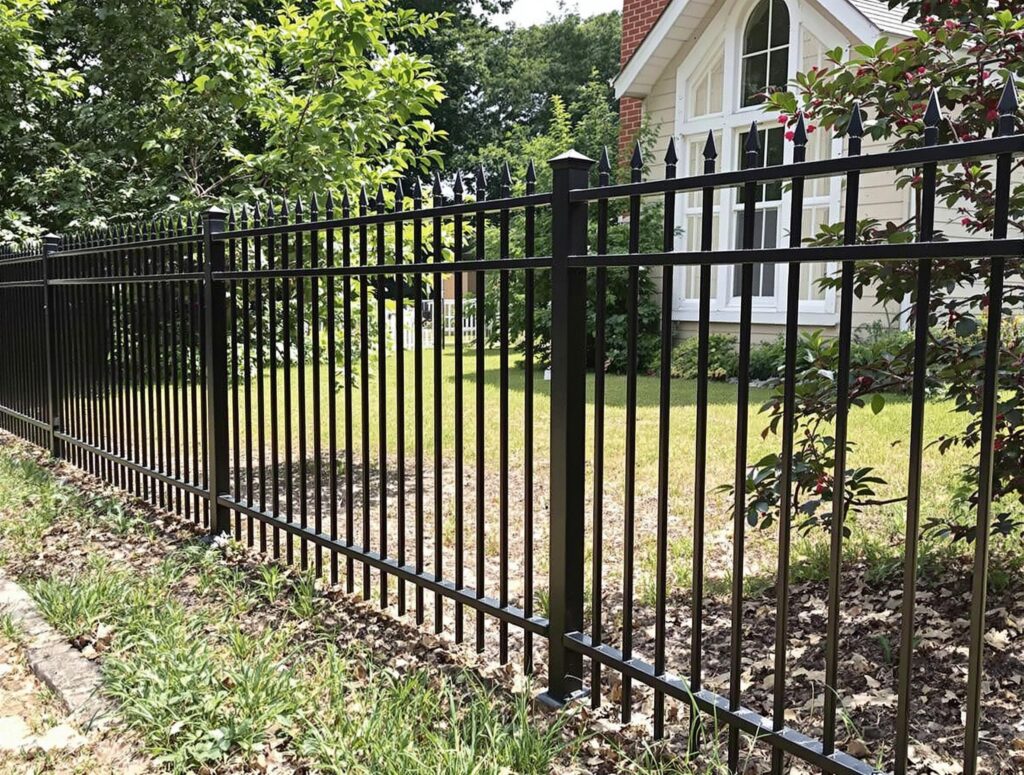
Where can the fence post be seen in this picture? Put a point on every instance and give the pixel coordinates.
(568, 425)
(51, 243)
(215, 316)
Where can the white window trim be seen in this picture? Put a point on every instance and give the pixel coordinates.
(733, 121)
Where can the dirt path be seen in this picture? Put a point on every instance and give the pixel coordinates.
(35, 734)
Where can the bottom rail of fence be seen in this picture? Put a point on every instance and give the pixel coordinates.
(717, 708)
(465, 595)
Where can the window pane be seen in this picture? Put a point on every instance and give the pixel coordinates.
(756, 36)
(755, 79)
(767, 272)
(771, 228)
(778, 74)
(758, 226)
(774, 145)
(780, 23)
(717, 78)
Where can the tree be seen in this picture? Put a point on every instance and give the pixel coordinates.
(595, 131)
(501, 80)
(182, 103)
(956, 73)
(30, 82)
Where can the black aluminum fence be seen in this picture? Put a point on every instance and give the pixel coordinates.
(240, 373)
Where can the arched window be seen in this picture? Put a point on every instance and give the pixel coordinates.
(765, 51)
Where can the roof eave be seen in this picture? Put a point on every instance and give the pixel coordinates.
(635, 79)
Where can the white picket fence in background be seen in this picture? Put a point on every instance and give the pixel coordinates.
(425, 319)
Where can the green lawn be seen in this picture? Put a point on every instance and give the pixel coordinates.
(880, 439)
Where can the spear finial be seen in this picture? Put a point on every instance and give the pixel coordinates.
(710, 149)
(1007, 108)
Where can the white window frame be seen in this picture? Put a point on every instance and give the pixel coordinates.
(730, 124)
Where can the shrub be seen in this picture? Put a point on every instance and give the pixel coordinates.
(722, 360)
(768, 358)
(877, 341)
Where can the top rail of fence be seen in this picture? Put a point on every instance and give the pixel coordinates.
(396, 216)
(902, 159)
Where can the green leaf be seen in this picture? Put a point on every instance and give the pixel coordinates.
(877, 403)
(966, 327)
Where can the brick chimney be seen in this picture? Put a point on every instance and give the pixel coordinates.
(638, 16)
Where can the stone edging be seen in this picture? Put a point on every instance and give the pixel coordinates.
(74, 680)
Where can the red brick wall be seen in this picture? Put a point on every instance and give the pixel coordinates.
(638, 16)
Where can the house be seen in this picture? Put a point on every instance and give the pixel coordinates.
(690, 66)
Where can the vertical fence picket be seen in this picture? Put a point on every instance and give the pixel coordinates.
(752, 159)
(664, 441)
(629, 494)
(855, 133)
(597, 526)
(922, 324)
(1007, 125)
(788, 432)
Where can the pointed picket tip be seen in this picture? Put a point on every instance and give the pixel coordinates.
(314, 205)
(856, 125)
(270, 210)
(480, 181)
(329, 201)
(284, 208)
(605, 163)
(506, 174)
(399, 192)
(459, 187)
(933, 114)
(346, 200)
(753, 139)
(710, 149)
(435, 186)
(364, 198)
(1008, 102)
(298, 207)
(416, 188)
(671, 158)
(637, 160)
(800, 130)
(379, 199)
(531, 172)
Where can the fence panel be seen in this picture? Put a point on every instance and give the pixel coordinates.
(297, 378)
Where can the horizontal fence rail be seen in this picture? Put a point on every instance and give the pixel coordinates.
(332, 383)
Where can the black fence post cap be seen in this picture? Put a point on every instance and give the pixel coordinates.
(214, 214)
(571, 160)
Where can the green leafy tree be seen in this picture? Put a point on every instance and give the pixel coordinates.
(183, 103)
(596, 130)
(30, 83)
(501, 80)
(969, 54)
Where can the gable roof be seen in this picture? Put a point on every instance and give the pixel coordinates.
(682, 21)
(882, 16)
